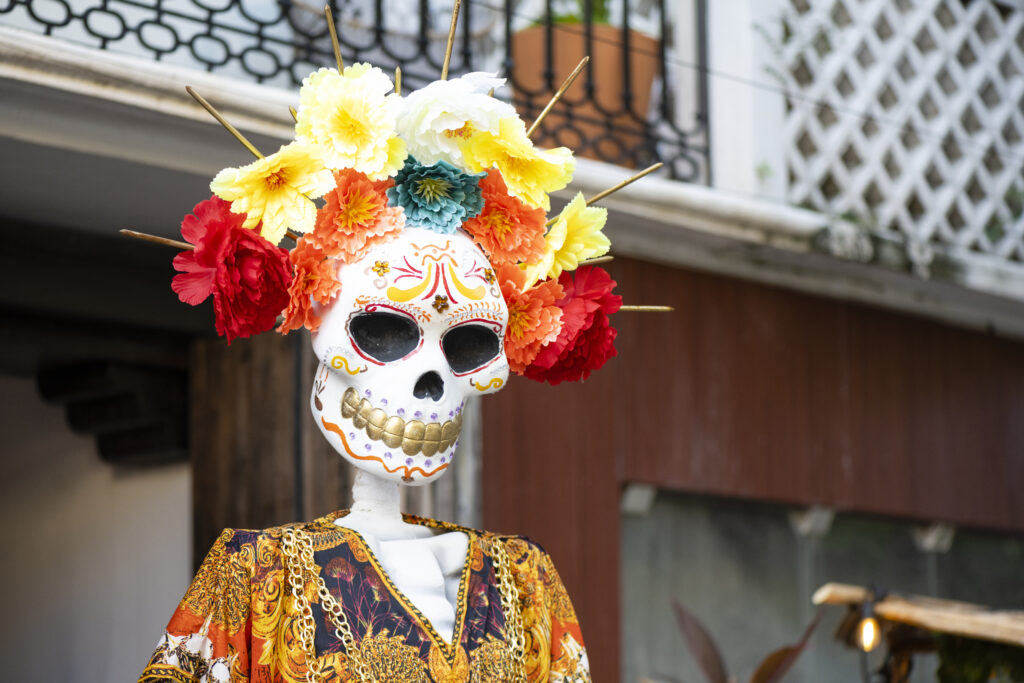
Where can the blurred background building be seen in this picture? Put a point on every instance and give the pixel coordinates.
(839, 394)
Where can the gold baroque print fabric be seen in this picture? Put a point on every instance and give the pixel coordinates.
(236, 622)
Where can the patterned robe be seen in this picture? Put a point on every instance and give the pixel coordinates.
(236, 622)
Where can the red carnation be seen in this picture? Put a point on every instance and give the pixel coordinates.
(587, 339)
(247, 275)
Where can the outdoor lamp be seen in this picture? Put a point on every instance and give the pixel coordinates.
(868, 633)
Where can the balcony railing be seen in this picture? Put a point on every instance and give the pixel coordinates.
(626, 109)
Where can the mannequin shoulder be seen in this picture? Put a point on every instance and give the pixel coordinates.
(521, 550)
(527, 557)
(262, 546)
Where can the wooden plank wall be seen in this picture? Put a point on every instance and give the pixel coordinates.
(247, 423)
(758, 392)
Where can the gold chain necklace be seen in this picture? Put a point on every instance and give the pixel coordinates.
(512, 608)
(297, 549)
(298, 558)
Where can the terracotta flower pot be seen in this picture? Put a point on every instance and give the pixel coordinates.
(601, 125)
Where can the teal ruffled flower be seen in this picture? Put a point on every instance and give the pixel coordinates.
(438, 197)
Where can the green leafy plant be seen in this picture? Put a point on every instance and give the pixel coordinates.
(574, 11)
(771, 669)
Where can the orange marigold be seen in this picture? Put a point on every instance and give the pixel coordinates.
(508, 229)
(355, 216)
(534, 318)
(315, 279)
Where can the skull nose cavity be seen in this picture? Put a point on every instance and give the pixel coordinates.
(429, 384)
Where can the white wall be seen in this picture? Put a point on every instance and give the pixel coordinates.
(747, 110)
(94, 559)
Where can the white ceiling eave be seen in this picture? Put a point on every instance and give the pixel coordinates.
(64, 105)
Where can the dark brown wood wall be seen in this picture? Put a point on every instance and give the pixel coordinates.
(251, 436)
(754, 391)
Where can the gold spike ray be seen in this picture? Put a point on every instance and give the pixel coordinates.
(451, 40)
(222, 121)
(558, 94)
(615, 188)
(632, 179)
(157, 240)
(648, 309)
(334, 38)
(398, 80)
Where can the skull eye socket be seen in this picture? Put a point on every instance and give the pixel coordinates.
(384, 336)
(468, 347)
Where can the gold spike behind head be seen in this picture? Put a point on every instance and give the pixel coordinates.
(615, 188)
(558, 94)
(334, 38)
(222, 121)
(648, 309)
(451, 40)
(632, 179)
(157, 240)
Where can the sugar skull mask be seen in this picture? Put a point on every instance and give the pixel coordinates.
(417, 327)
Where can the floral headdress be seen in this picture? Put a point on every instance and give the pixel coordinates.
(447, 157)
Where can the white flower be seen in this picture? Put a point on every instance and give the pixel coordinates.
(434, 118)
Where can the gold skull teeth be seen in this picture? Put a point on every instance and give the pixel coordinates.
(413, 437)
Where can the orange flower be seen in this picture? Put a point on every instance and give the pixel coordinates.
(315, 279)
(507, 228)
(534, 318)
(355, 216)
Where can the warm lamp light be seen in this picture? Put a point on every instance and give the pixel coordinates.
(868, 631)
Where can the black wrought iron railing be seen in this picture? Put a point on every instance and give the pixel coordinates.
(627, 108)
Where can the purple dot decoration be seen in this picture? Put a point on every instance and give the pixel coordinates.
(418, 413)
(383, 401)
(451, 413)
(433, 416)
(442, 459)
(408, 461)
(387, 456)
(367, 446)
(401, 412)
(352, 436)
(368, 393)
(427, 463)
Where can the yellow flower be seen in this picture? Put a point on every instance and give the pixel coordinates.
(351, 118)
(575, 236)
(529, 173)
(277, 190)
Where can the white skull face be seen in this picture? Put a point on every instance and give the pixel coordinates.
(418, 326)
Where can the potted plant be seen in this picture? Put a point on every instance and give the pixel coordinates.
(593, 116)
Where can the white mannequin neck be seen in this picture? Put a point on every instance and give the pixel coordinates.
(425, 567)
(376, 511)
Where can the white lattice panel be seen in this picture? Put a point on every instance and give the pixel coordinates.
(908, 116)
